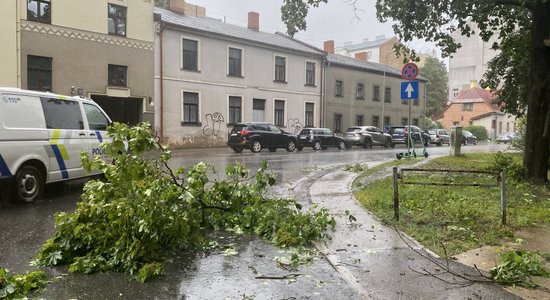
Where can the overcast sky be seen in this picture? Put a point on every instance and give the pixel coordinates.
(332, 21)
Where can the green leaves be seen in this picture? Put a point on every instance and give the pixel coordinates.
(517, 267)
(18, 286)
(143, 210)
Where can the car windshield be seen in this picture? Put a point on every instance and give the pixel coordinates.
(237, 128)
(432, 131)
(305, 131)
(397, 130)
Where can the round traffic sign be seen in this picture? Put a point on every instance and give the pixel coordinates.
(409, 71)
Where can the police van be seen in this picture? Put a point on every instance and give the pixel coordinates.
(42, 136)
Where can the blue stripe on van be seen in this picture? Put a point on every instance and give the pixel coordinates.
(60, 161)
(4, 170)
(99, 137)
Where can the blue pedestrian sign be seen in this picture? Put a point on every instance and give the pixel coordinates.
(409, 90)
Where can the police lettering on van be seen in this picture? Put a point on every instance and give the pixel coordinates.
(41, 137)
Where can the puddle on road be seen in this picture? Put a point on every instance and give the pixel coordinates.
(212, 276)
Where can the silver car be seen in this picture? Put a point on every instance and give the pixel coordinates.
(366, 137)
(439, 136)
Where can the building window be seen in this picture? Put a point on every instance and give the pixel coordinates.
(117, 19)
(337, 123)
(235, 62)
(310, 115)
(467, 107)
(280, 69)
(339, 88)
(39, 73)
(415, 122)
(310, 73)
(455, 92)
(375, 121)
(117, 75)
(258, 110)
(375, 93)
(190, 54)
(360, 93)
(387, 95)
(190, 108)
(404, 121)
(235, 109)
(359, 120)
(39, 11)
(279, 113)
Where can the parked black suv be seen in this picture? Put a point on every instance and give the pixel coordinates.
(400, 135)
(319, 138)
(256, 136)
(366, 136)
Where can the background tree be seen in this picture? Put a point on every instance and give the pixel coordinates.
(513, 21)
(436, 71)
(161, 3)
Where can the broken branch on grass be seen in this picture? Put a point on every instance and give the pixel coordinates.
(287, 276)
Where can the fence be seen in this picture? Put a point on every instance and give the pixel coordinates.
(499, 176)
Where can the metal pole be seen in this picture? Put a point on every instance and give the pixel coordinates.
(410, 142)
(383, 98)
(503, 196)
(395, 195)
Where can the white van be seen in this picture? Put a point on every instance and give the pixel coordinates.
(41, 137)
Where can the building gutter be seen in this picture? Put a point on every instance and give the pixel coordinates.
(161, 84)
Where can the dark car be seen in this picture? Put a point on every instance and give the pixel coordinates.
(319, 138)
(399, 135)
(468, 138)
(257, 136)
(439, 136)
(366, 137)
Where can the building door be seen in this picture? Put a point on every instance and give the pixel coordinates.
(123, 110)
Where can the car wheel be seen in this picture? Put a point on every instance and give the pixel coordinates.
(29, 184)
(439, 143)
(392, 145)
(256, 146)
(300, 148)
(388, 143)
(465, 142)
(348, 146)
(316, 145)
(272, 149)
(367, 144)
(342, 145)
(237, 149)
(291, 145)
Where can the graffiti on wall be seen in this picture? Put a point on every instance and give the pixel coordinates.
(294, 125)
(213, 124)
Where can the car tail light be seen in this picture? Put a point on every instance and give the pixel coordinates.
(245, 132)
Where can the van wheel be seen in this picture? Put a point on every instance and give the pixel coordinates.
(388, 144)
(256, 146)
(238, 149)
(29, 184)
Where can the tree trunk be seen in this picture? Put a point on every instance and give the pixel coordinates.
(537, 139)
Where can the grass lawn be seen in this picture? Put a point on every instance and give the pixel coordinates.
(461, 218)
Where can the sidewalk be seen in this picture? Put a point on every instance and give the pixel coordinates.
(375, 260)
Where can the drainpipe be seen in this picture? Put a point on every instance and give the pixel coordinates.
(321, 96)
(18, 41)
(161, 84)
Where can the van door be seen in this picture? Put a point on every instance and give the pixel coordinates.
(67, 137)
(97, 123)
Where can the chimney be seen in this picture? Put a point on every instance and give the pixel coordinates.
(180, 7)
(328, 46)
(362, 56)
(254, 21)
(177, 6)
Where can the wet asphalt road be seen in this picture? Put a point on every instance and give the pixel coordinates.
(195, 276)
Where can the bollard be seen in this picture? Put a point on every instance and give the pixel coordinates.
(395, 195)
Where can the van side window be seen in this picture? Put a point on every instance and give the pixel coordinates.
(62, 114)
(96, 119)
